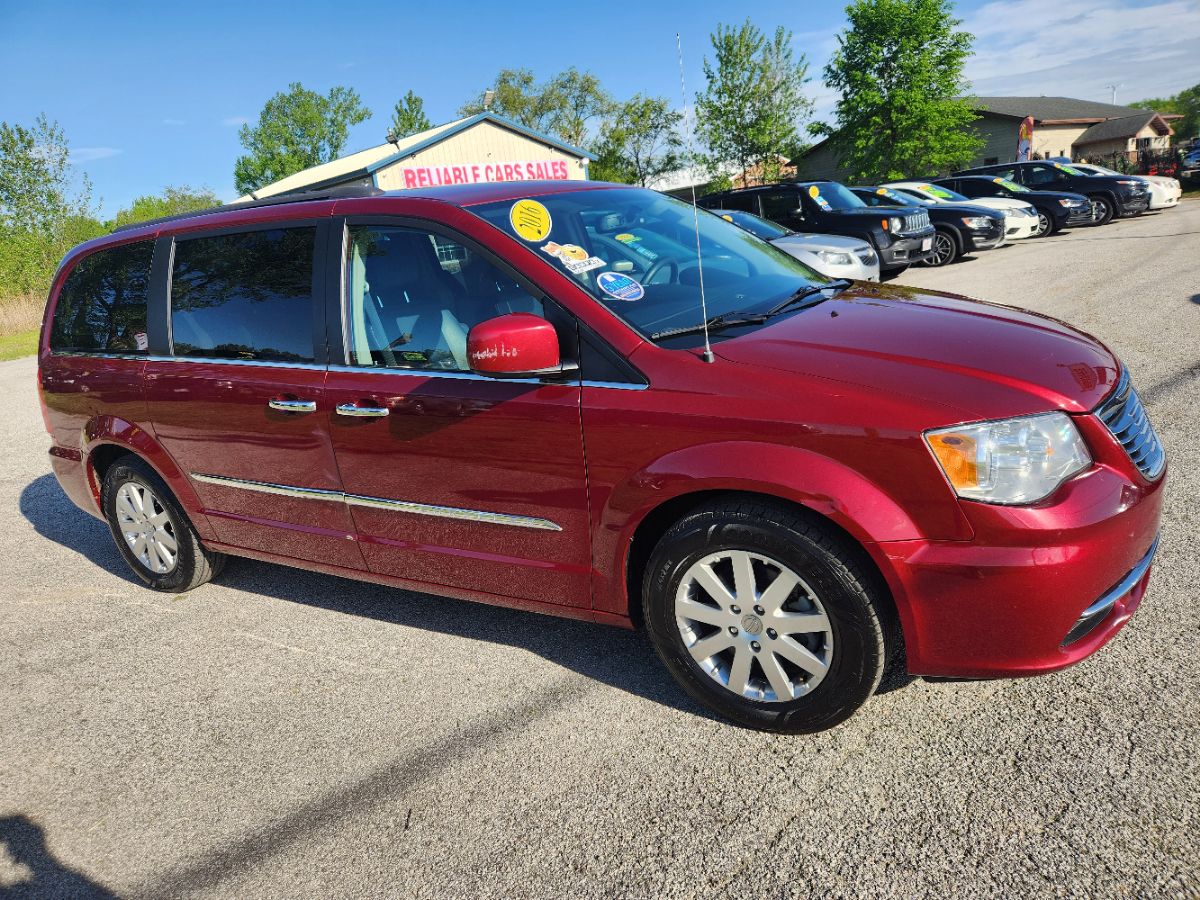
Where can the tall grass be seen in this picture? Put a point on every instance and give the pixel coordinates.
(22, 312)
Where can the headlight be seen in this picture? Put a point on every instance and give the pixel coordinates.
(1012, 461)
(896, 224)
(1070, 204)
(1128, 182)
(976, 221)
(834, 258)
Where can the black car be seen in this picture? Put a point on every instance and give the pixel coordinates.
(1109, 195)
(900, 237)
(1056, 209)
(961, 228)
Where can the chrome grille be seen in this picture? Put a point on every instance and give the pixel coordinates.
(1126, 418)
(917, 221)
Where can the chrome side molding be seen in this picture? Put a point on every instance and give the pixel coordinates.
(402, 506)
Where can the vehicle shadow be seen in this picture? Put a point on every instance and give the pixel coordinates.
(40, 874)
(613, 656)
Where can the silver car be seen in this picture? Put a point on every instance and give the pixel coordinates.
(831, 255)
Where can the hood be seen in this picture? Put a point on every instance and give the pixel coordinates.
(815, 242)
(1061, 195)
(873, 212)
(1001, 203)
(974, 360)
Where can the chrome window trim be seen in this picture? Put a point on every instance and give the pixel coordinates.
(418, 509)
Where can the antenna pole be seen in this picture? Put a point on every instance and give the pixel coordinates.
(708, 354)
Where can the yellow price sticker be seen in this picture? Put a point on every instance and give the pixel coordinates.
(530, 220)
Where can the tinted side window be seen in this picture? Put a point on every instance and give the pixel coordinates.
(745, 201)
(780, 205)
(969, 188)
(102, 306)
(1035, 175)
(412, 296)
(244, 296)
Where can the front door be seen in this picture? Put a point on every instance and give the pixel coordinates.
(239, 402)
(452, 479)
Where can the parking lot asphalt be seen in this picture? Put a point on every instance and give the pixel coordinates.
(280, 733)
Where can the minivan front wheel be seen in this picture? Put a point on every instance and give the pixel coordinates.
(151, 530)
(766, 616)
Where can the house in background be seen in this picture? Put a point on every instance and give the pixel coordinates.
(1063, 126)
(483, 147)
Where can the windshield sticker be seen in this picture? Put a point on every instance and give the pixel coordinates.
(626, 238)
(940, 193)
(622, 287)
(883, 192)
(530, 220)
(1004, 182)
(574, 257)
(815, 193)
(1070, 170)
(727, 218)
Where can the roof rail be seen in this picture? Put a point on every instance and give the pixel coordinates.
(343, 192)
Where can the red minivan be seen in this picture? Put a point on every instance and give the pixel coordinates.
(506, 393)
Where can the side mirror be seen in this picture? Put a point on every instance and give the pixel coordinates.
(517, 345)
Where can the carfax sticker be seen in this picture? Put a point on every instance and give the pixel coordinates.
(530, 220)
(620, 286)
(573, 257)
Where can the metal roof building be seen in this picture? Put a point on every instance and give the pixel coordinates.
(480, 148)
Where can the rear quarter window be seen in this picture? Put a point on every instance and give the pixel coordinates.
(102, 305)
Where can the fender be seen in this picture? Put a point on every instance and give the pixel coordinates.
(102, 431)
(819, 483)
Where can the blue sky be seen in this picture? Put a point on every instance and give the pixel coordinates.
(152, 94)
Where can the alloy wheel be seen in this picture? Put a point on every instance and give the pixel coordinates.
(754, 626)
(943, 249)
(1043, 225)
(146, 526)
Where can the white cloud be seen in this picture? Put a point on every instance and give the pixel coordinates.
(173, 122)
(234, 121)
(90, 154)
(1074, 48)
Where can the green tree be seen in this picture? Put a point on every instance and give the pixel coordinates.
(42, 213)
(1185, 103)
(409, 116)
(752, 107)
(296, 130)
(173, 201)
(565, 105)
(902, 112)
(519, 97)
(639, 142)
(576, 99)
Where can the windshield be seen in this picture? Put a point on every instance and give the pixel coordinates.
(940, 193)
(831, 195)
(896, 198)
(758, 227)
(634, 251)
(1011, 185)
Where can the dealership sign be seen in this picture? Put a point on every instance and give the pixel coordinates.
(472, 173)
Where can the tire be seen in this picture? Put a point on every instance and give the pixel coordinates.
(1045, 225)
(145, 520)
(945, 249)
(844, 628)
(1102, 209)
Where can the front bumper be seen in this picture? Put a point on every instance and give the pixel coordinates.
(1072, 217)
(984, 238)
(1018, 227)
(1134, 203)
(1004, 603)
(907, 249)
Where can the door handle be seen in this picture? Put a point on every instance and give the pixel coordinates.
(363, 412)
(293, 406)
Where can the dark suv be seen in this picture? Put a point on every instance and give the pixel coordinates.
(961, 227)
(901, 237)
(1110, 195)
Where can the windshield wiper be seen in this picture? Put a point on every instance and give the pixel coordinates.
(716, 323)
(804, 293)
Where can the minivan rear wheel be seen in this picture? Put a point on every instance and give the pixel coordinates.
(151, 530)
(766, 616)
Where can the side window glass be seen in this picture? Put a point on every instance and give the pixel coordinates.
(1036, 175)
(102, 305)
(412, 296)
(743, 201)
(244, 296)
(780, 205)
